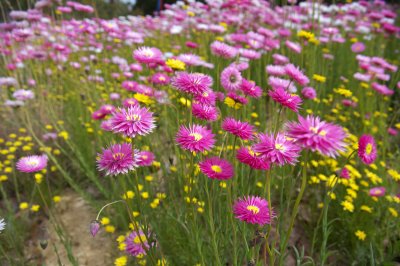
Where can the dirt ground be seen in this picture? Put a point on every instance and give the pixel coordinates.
(76, 216)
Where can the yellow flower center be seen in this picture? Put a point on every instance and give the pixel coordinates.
(148, 53)
(196, 136)
(253, 209)
(118, 156)
(368, 149)
(32, 162)
(322, 133)
(279, 147)
(216, 168)
(133, 118)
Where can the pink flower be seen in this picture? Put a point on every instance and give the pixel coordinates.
(135, 243)
(250, 88)
(253, 209)
(216, 168)
(279, 150)
(295, 74)
(207, 97)
(133, 121)
(118, 159)
(293, 46)
(367, 149)
(251, 158)
(317, 135)
(286, 99)
(231, 78)
(309, 93)
(32, 163)
(377, 192)
(240, 129)
(147, 55)
(146, 158)
(205, 112)
(358, 47)
(195, 138)
(223, 50)
(193, 83)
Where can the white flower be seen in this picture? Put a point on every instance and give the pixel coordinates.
(2, 224)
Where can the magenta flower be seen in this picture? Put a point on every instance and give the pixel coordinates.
(240, 129)
(377, 192)
(253, 209)
(195, 138)
(133, 121)
(223, 50)
(216, 168)
(358, 47)
(118, 159)
(291, 101)
(193, 83)
(135, 244)
(295, 74)
(207, 97)
(250, 88)
(147, 55)
(367, 149)
(279, 150)
(231, 78)
(205, 112)
(317, 135)
(309, 93)
(251, 158)
(32, 163)
(146, 158)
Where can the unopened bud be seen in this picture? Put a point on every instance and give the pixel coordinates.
(94, 227)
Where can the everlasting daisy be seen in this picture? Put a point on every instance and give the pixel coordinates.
(216, 168)
(286, 99)
(146, 158)
(193, 83)
(317, 135)
(358, 47)
(223, 50)
(118, 159)
(309, 93)
(253, 209)
(240, 129)
(207, 97)
(295, 74)
(195, 138)
(231, 78)
(135, 243)
(367, 149)
(251, 158)
(33, 163)
(377, 191)
(205, 112)
(250, 88)
(147, 55)
(279, 150)
(133, 121)
(23, 95)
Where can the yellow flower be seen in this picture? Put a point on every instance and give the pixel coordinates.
(128, 195)
(361, 235)
(143, 98)
(149, 178)
(366, 208)
(200, 209)
(109, 229)
(185, 101)
(306, 35)
(105, 220)
(23, 205)
(121, 261)
(56, 199)
(393, 212)
(394, 174)
(145, 195)
(319, 78)
(347, 206)
(175, 64)
(3, 178)
(232, 103)
(38, 178)
(35, 208)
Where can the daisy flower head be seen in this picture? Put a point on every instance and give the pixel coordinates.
(281, 96)
(32, 163)
(195, 138)
(231, 78)
(309, 93)
(205, 112)
(367, 149)
(377, 191)
(253, 209)
(224, 50)
(118, 159)
(216, 168)
(133, 121)
(240, 129)
(193, 83)
(253, 159)
(250, 88)
(316, 135)
(358, 47)
(136, 244)
(146, 158)
(207, 97)
(295, 74)
(147, 55)
(279, 150)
